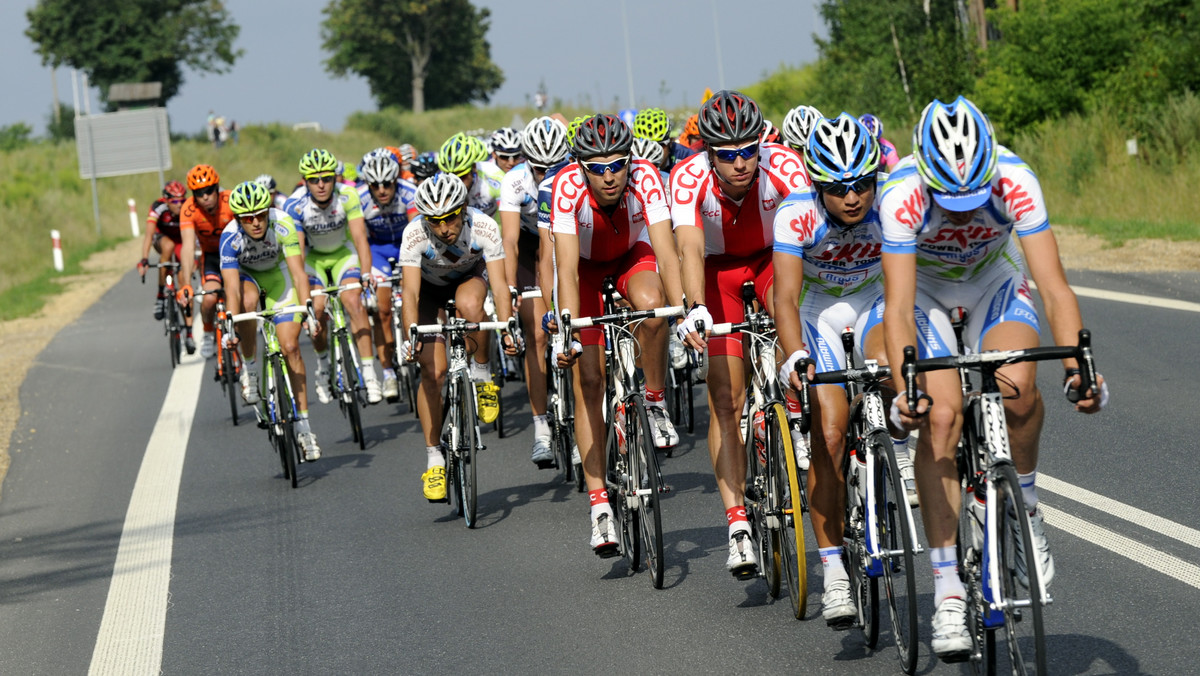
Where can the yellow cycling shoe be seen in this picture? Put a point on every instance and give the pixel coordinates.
(434, 479)
(487, 398)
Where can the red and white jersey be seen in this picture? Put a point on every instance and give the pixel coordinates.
(734, 228)
(605, 234)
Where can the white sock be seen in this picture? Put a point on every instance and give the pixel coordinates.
(831, 564)
(945, 575)
(302, 426)
(434, 457)
(323, 361)
(389, 373)
(249, 365)
(480, 372)
(1029, 489)
(541, 427)
(368, 369)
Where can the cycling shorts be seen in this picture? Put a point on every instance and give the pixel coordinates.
(723, 279)
(823, 318)
(275, 289)
(432, 300)
(212, 267)
(591, 284)
(381, 269)
(159, 237)
(527, 255)
(338, 265)
(996, 296)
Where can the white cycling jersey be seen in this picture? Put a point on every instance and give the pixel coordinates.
(443, 264)
(519, 194)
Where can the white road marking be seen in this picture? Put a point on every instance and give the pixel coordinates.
(131, 632)
(1177, 531)
(1136, 299)
(1135, 551)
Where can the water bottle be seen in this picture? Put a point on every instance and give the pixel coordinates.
(619, 425)
(858, 468)
(760, 437)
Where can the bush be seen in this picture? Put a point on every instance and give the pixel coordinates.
(14, 136)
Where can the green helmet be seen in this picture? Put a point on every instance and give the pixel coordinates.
(459, 154)
(317, 161)
(653, 124)
(249, 197)
(574, 126)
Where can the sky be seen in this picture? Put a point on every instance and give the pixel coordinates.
(281, 77)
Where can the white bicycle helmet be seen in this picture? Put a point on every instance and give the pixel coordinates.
(380, 168)
(506, 140)
(648, 150)
(544, 141)
(266, 180)
(440, 194)
(798, 125)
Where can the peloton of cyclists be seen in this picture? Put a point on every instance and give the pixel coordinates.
(162, 234)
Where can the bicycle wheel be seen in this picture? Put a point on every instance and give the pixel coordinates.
(777, 439)
(787, 505)
(864, 573)
(348, 397)
(498, 381)
(288, 447)
(1023, 629)
(688, 404)
(172, 324)
(970, 561)
(894, 525)
(617, 482)
(229, 375)
(468, 442)
(647, 486)
(756, 501)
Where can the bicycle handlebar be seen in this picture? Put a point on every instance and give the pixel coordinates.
(335, 290)
(627, 316)
(247, 316)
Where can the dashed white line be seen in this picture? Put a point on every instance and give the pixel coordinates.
(1177, 531)
(1136, 299)
(130, 640)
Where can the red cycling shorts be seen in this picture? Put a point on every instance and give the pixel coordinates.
(591, 283)
(723, 280)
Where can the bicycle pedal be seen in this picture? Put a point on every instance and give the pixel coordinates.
(841, 623)
(664, 488)
(743, 573)
(545, 464)
(607, 551)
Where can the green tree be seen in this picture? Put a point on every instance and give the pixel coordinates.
(134, 40)
(14, 136)
(449, 58)
(62, 126)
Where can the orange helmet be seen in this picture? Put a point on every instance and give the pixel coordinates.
(691, 128)
(202, 176)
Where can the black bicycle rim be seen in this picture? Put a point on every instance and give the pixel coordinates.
(350, 381)
(469, 443)
(283, 401)
(229, 375)
(1024, 631)
(895, 533)
(650, 515)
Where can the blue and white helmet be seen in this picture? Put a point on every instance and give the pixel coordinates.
(841, 150)
(872, 124)
(955, 149)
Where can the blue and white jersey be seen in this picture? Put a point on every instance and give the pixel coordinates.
(325, 229)
(837, 261)
(519, 194)
(442, 264)
(385, 224)
(239, 251)
(545, 193)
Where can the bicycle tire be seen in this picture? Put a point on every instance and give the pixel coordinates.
(778, 439)
(792, 548)
(498, 381)
(230, 381)
(755, 502)
(348, 397)
(616, 476)
(468, 444)
(895, 529)
(283, 406)
(864, 585)
(172, 325)
(1024, 631)
(970, 559)
(649, 496)
(689, 397)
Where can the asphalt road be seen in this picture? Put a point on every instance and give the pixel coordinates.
(354, 572)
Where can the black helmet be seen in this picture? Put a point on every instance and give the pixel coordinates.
(602, 135)
(729, 116)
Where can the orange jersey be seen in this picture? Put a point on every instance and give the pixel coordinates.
(207, 226)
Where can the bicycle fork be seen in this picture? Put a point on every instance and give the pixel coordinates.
(875, 417)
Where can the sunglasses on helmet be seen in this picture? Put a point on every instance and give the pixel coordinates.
(598, 168)
(731, 154)
(840, 188)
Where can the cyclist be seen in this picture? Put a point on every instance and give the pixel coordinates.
(278, 199)
(162, 234)
(543, 144)
(690, 136)
(201, 219)
(329, 216)
(653, 124)
(261, 260)
(770, 133)
(798, 125)
(890, 158)
(610, 219)
(827, 253)
(424, 167)
(948, 213)
(506, 148)
(463, 156)
(451, 251)
(723, 204)
(387, 205)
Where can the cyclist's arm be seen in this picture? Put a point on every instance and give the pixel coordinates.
(495, 271)
(899, 295)
(663, 242)
(187, 252)
(691, 248)
(1062, 308)
(148, 240)
(510, 228)
(233, 290)
(295, 266)
(566, 253)
(789, 282)
(546, 266)
(358, 235)
(410, 293)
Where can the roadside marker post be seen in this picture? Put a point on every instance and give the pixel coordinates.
(133, 220)
(56, 241)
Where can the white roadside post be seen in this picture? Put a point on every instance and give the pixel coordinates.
(56, 241)
(133, 219)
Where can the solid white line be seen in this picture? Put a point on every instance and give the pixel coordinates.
(1136, 299)
(1184, 534)
(1133, 550)
(131, 632)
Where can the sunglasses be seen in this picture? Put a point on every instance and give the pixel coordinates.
(438, 220)
(382, 185)
(251, 218)
(177, 200)
(840, 188)
(205, 192)
(508, 157)
(731, 154)
(598, 168)
(324, 178)
(538, 167)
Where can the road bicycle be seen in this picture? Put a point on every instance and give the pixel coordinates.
(228, 366)
(774, 494)
(277, 411)
(408, 375)
(994, 517)
(345, 369)
(632, 474)
(172, 313)
(460, 420)
(880, 532)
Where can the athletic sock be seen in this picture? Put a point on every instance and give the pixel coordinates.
(656, 397)
(1029, 489)
(831, 564)
(541, 426)
(736, 518)
(434, 457)
(480, 372)
(389, 373)
(945, 575)
(598, 499)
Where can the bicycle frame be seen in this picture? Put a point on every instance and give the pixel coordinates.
(339, 328)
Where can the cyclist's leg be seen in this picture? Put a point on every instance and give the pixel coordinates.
(429, 395)
(590, 401)
(347, 271)
(531, 311)
(247, 332)
(381, 270)
(640, 283)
